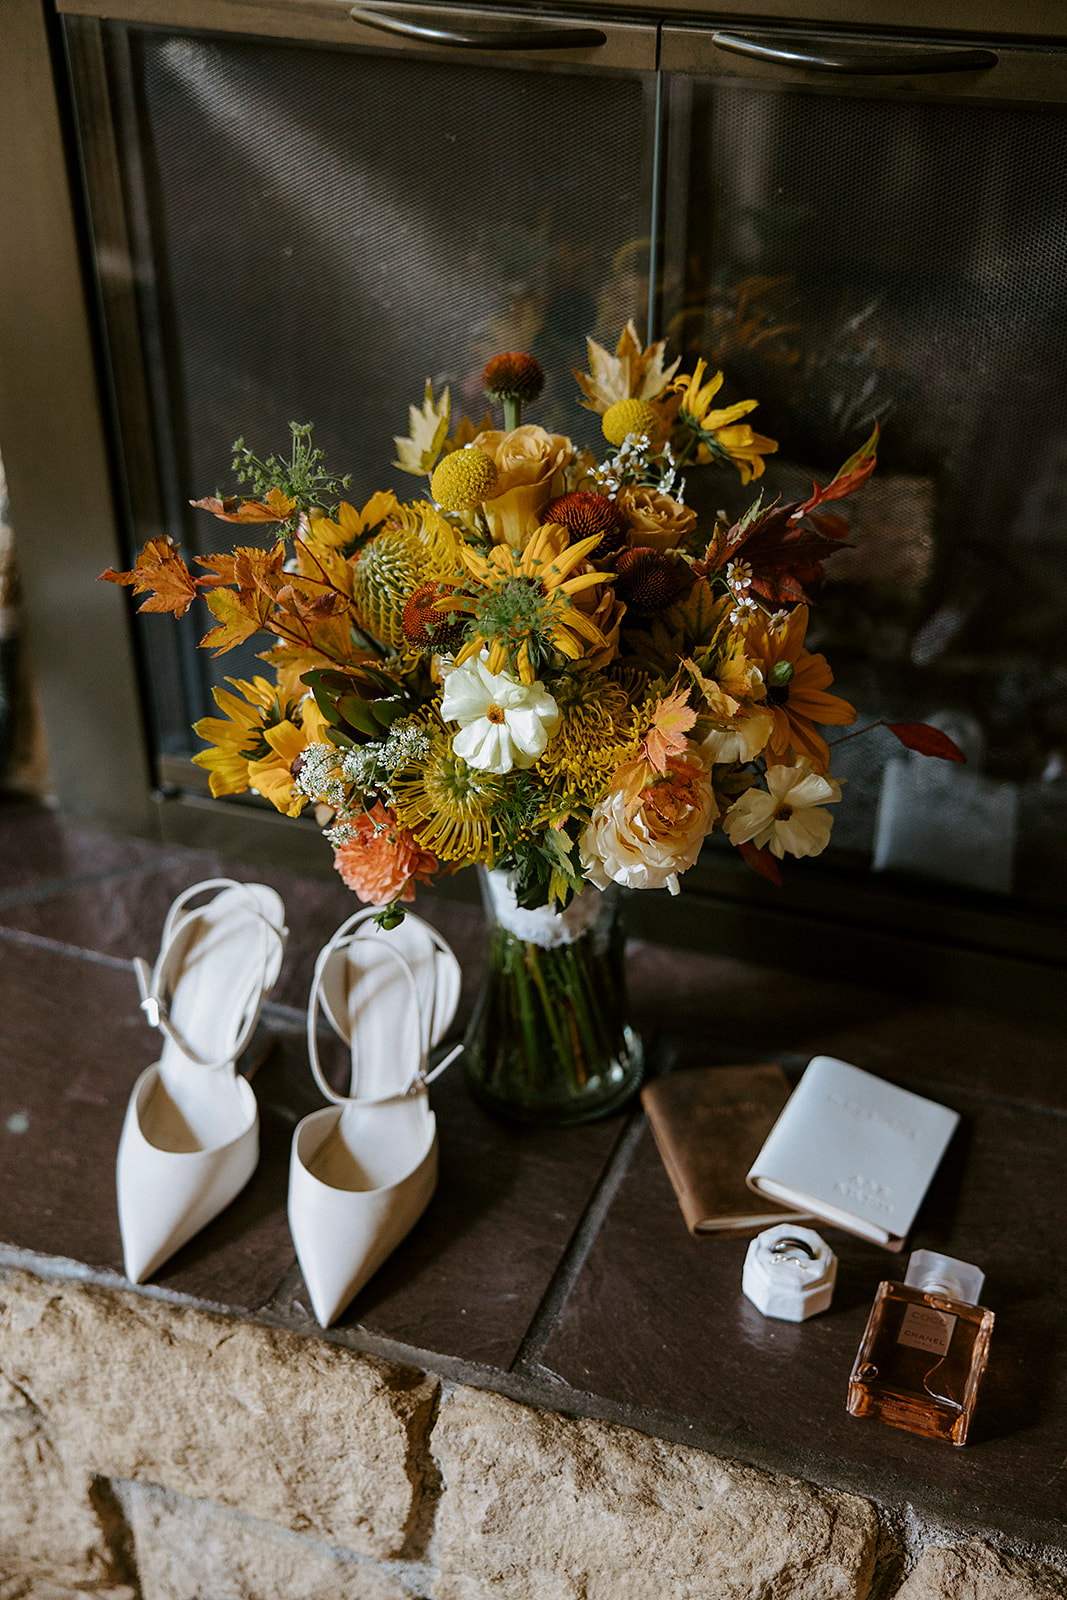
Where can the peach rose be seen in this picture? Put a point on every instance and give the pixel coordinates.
(646, 846)
(654, 520)
(381, 861)
(530, 465)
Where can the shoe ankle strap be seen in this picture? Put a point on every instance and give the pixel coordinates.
(343, 939)
(151, 981)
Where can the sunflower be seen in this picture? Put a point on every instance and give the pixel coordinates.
(237, 738)
(259, 743)
(719, 435)
(796, 690)
(450, 807)
(522, 606)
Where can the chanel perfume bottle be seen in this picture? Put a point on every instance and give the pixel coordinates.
(924, 1350)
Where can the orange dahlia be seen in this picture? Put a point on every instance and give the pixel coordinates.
(382, 861)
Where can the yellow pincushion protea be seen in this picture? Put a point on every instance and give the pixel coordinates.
(522, 605)
(626, 417)
(463, 479)
(416, 545)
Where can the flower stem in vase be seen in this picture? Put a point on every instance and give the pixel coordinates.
(548, 1042)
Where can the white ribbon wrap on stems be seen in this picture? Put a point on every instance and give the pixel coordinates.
(543, 926)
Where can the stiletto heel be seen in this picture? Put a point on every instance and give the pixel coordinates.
(190, 1141)
(363, 1170)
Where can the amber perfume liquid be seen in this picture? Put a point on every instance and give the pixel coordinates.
(920, 1361)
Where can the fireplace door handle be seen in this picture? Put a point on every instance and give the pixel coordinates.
(859, 59)
(517, 35)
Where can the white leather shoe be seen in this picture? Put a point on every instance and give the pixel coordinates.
(190, 1141)
(362, 1171)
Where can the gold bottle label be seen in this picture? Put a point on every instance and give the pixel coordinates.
(923, 1328)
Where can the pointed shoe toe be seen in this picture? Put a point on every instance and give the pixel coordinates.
(354, 1195)
(169, 1187)
(190, 1141)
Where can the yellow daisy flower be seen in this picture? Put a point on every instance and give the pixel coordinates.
(522, 607)
(258, 742)
(718, 434)
(237, 735)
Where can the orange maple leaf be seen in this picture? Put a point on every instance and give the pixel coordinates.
(276, 508)
(239, 615)
(160, 573)
(671, 721)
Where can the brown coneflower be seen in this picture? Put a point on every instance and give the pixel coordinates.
(649, 581)
(582, 514)
(516, 379)
(430, 629)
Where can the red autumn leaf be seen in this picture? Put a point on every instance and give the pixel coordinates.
(926, 740)
(856, 470)
(783, 554)
(276, 508)
(761, 861)
(160, 573)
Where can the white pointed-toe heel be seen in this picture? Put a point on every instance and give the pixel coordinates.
(362, 1171)
(190, 1141)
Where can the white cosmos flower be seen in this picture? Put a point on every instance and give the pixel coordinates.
(503, 723)
(788, 814)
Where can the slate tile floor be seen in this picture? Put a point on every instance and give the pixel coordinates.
(554, 1263)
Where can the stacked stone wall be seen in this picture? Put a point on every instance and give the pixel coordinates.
(150, 1451)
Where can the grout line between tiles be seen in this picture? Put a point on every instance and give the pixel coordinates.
(52, 887)
(74, 952)
(581, 1242)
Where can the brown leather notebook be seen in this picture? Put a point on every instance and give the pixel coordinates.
(710, 1124)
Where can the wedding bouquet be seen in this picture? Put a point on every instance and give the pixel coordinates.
(545, 663)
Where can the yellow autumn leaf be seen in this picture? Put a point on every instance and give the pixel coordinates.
(632, 373)
(429, 429)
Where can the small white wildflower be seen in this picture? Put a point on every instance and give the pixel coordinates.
(743, 613)
(739, 577)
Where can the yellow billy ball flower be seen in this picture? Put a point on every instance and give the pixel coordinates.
(463, 479)
(628, 416)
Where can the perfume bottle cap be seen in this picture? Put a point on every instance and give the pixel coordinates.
(928, 1269)
(789, 1272)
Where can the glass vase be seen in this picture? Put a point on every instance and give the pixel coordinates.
(549, 1041)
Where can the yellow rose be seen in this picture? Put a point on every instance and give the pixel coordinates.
(530, 464)
(603, 607)
(654, 520)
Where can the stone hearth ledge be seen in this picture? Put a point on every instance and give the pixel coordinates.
(153, 1451)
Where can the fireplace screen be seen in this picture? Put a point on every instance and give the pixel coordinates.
(858, 260)
(297, 231)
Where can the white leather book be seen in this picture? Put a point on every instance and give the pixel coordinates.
(853, 1150)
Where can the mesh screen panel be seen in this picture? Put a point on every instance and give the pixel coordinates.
(325, 229)
(849, 260)
(329, 229)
